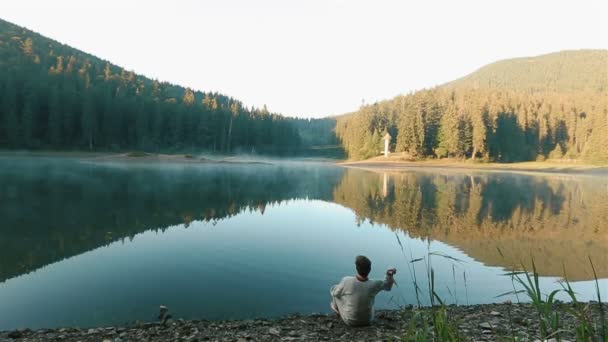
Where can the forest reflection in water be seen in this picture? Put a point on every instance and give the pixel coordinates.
(53, 209)
(500, 219)
(106, 233)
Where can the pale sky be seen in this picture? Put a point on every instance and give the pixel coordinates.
(312, 58)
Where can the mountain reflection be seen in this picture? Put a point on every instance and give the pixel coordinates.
(55, 209)
(51, 210)
(497, 218)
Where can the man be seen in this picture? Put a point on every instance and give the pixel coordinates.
(353, 297)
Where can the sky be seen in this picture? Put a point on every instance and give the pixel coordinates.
(312, 58)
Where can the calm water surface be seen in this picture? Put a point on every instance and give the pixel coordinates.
(86, 244)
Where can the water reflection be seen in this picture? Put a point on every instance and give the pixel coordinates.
(497, 218)
(53, 209)
(170, 233)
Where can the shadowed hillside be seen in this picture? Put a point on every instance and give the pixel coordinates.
(53, 96)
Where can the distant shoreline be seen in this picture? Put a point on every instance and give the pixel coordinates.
(138, 156)
(132, 157)
(393, 164)
(169, 158)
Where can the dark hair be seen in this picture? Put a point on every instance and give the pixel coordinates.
(364, 265)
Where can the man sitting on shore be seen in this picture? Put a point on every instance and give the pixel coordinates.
(353, 297)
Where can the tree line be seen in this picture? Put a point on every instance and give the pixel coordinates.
(494, 116)
(54, 96)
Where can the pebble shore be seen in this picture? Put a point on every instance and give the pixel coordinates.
(490, 322)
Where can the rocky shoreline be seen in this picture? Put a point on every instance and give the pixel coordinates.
(490, 322)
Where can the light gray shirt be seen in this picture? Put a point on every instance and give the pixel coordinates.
(355, 298)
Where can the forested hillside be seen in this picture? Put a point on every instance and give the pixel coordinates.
(318, 137)
(551, 106)
(54, 96)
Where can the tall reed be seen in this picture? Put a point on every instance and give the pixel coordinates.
(436, 324)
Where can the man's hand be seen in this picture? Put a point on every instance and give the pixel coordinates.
(391, 271)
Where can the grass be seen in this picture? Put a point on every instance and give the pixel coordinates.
(548, 316)
(436, 324)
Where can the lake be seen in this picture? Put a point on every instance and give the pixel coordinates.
(86, 243)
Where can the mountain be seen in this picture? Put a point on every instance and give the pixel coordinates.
(57, 97)
(565, 71)
(552, 106)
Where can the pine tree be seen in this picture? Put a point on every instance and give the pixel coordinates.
(28, 46)
(55, 119)
(479, 131)
(11, 120)
(234, 110)
(58, 68)
(188, 98)
(89, 124)
(448, 134)
(28, 123)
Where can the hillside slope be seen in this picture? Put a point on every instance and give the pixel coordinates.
(565, 71)
(550, 106)
(55, 96)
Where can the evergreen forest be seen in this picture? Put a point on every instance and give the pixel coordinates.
(55, 97)
(553, 106)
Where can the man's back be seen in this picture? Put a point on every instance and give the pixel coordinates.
(355, 299)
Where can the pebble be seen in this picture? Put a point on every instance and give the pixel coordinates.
(485, 326)
(475, 323)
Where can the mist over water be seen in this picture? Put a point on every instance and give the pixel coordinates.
(84, 243)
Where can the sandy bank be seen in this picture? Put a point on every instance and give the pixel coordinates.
(394, 164)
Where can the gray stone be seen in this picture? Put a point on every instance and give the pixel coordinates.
(485, 326)
(477, 323)
(15, 334)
